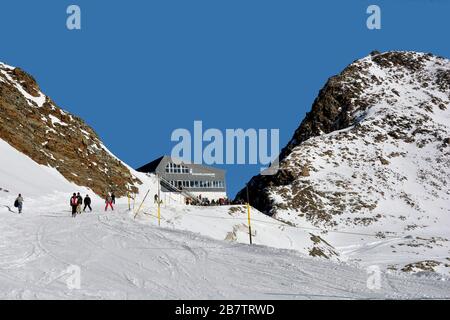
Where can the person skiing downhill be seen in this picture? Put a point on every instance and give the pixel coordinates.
(113, 197)
(109, 202)
(79, 203)
(87, 203)
(74, 204)
(19, 203)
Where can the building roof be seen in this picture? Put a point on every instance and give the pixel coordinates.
(152, 166)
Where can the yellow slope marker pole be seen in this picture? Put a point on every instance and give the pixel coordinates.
(159, 201)
(139, 209)
(248, 213)
(129, 201)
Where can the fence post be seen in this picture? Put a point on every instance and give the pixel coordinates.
(159, 201)
(248, 214)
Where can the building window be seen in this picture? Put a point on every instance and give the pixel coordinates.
(177, 168)
(210, 184)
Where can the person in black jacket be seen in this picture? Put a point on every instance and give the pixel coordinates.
(19, 203)
(113, 197)
(87, 203)
(80, 203)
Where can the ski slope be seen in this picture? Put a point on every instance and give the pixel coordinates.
(121, 258)
(196, 253)
(45, 190)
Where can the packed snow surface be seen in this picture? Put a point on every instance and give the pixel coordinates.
(187, 257)
(120, 258)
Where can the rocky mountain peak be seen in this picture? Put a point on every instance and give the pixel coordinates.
(33, 124)
(370, 164)
(27, 81)
(383, 99)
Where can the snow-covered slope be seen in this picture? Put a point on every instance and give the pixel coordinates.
(120, 258)
(46, 190)
(38, 160)
(197, 252)
(20, 174)
(230, 223)
(33, 124)
(370, 164)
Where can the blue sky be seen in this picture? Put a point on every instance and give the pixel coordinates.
(140, 69)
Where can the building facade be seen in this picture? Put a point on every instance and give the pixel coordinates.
(188, 178)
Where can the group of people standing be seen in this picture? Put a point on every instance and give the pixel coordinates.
(200, 201)
(77, 201)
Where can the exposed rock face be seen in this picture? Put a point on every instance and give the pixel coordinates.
(33, 124)
(378, 108)
(377, 156)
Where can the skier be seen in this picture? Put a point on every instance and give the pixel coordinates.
(74, 204)
(19, 203)
(87, 203)
(109, 202)
(155, 198)
(79, 203)
(113, 197)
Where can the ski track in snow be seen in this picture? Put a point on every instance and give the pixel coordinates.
(122, 258)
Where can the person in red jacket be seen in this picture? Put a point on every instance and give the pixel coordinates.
(74, 204)
(109, 202)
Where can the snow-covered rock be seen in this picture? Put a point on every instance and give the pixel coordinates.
(33, 124)
(370, 164)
